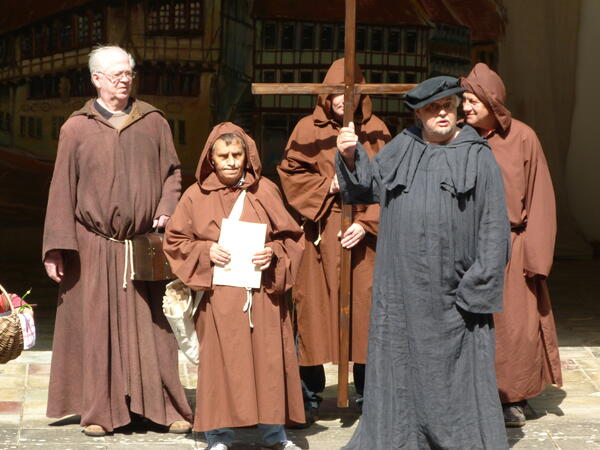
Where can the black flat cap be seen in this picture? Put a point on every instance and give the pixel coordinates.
(431, 90)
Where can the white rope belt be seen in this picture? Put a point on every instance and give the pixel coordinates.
(128, 256)
(318, 239)
(248, 306)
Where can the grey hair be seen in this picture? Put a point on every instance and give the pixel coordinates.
(96, 56)
(229, 138)
(456, 99)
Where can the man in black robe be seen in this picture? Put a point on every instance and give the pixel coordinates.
(443, 244)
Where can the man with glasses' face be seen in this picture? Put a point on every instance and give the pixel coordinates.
(116, 176)
(113, 77)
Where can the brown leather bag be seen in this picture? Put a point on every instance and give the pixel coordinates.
(149, 260)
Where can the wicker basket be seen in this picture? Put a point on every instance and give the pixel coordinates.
(11, 335)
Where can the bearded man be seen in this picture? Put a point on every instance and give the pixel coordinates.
(441, 252)
(527, 357)
(116, 175)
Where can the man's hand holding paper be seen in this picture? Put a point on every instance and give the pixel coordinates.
(242, 245)
(263, 258)
(219, 255)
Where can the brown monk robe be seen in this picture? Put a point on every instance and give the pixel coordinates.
(306, 173)
(527, 357)
(246, 376)
(113, 352)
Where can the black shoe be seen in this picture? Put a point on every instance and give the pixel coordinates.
(312, 415)
(514, 414)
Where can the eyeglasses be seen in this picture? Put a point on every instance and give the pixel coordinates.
(115, 78)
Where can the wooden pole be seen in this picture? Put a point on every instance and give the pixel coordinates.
(346, 255)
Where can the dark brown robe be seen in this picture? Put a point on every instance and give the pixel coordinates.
(246, 376)
(306, 173)
(527, 357)
(113, 350)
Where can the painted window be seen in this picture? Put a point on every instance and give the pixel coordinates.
(173, 17)
(326, 41)
(288, 36)
(308, 37)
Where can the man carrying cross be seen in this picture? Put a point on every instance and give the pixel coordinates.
(442, 247)
(308, 178)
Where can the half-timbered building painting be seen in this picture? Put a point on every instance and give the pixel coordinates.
(196, 60)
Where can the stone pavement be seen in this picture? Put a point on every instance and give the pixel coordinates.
(566, 418)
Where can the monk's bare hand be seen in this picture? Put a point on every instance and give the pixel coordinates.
(219, 255)
(161, 222)
(352, 236)
(334, 188)
(528, 274)
(263, 258)
(53, 262)
(346, 144)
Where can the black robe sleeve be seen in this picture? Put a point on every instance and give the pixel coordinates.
(480, 289)
(361, 186)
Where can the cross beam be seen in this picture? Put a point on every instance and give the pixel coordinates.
(319, 88)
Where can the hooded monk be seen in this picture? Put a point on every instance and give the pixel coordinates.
(527, 356)
(248, 374)
(310, 184)
(116, 175)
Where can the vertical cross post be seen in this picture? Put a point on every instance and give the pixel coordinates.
(346, 254)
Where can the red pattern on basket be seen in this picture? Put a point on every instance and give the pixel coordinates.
(28, 328)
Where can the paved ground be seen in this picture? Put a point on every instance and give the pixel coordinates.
(567, 418)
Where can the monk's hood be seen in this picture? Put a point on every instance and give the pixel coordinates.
(335, 75)
(397, 168)
(138, 109)
(205, 173)
(489, 88)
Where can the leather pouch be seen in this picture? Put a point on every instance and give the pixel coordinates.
(149, 260)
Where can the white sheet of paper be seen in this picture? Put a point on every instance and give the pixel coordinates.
(242, 240)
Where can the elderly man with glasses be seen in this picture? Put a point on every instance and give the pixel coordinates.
(116, 175)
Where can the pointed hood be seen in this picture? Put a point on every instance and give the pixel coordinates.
(205, 173)
(139, 109)
(489, 88)
(335, 75)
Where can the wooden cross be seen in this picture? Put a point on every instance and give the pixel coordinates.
(349, 89)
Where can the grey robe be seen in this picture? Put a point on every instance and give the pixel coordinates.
(443, 244)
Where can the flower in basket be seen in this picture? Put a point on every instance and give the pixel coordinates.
(17, 302)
